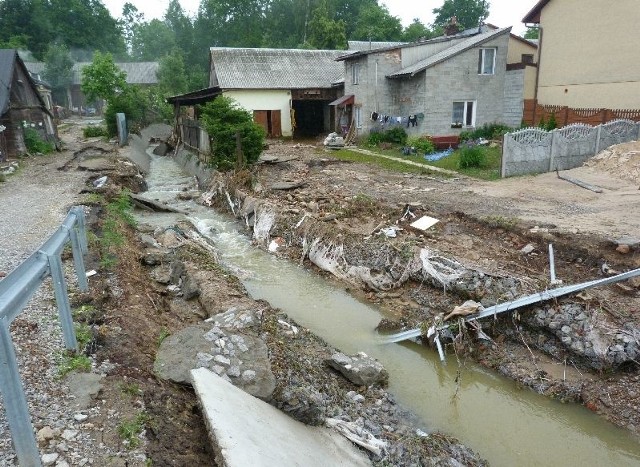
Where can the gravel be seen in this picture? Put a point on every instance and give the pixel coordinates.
(33, 202)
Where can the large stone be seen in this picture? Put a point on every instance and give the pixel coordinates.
(184, 351)
(360, 369)
(85, 387)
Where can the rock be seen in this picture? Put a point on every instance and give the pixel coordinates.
(360, 369)
(161, 149)
(623, 249)
(50, 459)
(303, 403)
(162, 274)
(190, 288)
(527, 249)
(155, 256)
(148, 241)
(69, 434)
(80, 417)
(45, 434)
(85, 387)
(631, 242)
(222, 360)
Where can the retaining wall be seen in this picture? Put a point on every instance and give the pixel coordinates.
(533, 150)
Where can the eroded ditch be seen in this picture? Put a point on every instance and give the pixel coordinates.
(506, 425)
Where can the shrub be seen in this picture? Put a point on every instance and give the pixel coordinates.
(472, 157)
(396, 135)
(222, 119)
(34, 142)
(374, 139)
(94, 131)
(423, 144)
(552, 124)
(486, 131)
(130, 102)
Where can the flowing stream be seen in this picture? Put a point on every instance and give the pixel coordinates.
(506, 425)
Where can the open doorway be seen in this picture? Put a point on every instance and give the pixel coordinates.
(309, 118)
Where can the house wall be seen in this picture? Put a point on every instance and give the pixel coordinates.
(266, 99)
(514, 84)
(457, 79)
(589, 54)
(517, 48)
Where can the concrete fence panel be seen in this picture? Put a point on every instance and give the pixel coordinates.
(526, 151)
(616, 132)
(572, 146)
(533, 150)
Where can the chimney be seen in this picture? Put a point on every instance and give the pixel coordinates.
(452, 28)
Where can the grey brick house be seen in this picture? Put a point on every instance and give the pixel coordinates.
(438, 87)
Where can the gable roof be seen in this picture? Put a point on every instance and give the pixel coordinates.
(448, 53)
(9, 59)
(244, 68)
(534, 15)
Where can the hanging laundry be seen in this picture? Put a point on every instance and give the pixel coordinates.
(374, 116)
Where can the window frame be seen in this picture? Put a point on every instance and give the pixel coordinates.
(482, 59)
(355, 73)
(465, 111)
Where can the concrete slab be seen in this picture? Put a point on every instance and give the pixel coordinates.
(248, 431)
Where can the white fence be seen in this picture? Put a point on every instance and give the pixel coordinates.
(533, 150)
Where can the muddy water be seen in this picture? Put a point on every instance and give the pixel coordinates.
(506, 425)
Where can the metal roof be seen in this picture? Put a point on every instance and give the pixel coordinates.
(137, 72)
(200, 96)
(239, 68)
(449, 53)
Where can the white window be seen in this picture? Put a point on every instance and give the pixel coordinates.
(464, 114)
(358, 117)
(487, 62)
(355, 73)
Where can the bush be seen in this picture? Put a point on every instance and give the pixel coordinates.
(222, 119)
(34, 142)
(423, 144)
(133, 104)
(396, 135)
(472, 157)
(486, 131)
(552, 124)
(94, 131)
(374, 139)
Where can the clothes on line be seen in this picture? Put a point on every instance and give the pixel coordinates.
(386, 119)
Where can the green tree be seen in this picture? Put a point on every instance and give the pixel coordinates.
(130, 20)
(415, 31)
(532, 33)
(469, 13)
(172, 78)
(324, 32)
(223, 119)
(102, 79)
(152, 40)
(25, 23)
(58, 71)
(376, 23)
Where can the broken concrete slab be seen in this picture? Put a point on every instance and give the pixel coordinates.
(85, 387)
(247, 431)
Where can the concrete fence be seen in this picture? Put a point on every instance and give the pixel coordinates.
(533, 150)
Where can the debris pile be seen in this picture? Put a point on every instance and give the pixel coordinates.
(622, 160)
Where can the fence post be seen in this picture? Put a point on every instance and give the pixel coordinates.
(15, 402)
(62, 299)
(598, 140)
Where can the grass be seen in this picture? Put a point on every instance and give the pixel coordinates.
(83, 335)
(491, 171)
(119, 213)
(164, 333)
(131, 389)
(129, 430)
(71, 361)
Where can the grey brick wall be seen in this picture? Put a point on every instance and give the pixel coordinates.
(513, 97)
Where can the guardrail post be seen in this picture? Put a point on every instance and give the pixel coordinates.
(15, 402)
(62, 299)
(81, 229)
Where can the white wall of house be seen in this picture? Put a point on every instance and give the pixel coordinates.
(266, 99)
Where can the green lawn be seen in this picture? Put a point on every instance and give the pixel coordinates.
(491, 170)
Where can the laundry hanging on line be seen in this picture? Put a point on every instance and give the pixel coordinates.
(387, 119)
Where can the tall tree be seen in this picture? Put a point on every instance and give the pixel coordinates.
(415, 31)
(532, 33)
(131, 18)
(469, 13)
(172, 78)
(58, 71)
(26, 22)
(152, 40)
(376, 23)
(324, 32)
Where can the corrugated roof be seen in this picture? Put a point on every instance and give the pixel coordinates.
(371, 45)
(9, 59)
(449, 53)
(137, 72)
(238, 68)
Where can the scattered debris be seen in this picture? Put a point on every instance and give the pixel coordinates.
(527, 249)
(287, 185)
(424, 223)
(100, 182)
(357, 434)
(334, 141)
(467, 308)
(149, 205)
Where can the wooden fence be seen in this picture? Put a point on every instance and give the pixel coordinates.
(195, 137)
(534, 113)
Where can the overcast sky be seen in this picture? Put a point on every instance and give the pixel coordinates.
(502, 12)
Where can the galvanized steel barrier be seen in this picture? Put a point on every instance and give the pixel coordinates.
(16, 289)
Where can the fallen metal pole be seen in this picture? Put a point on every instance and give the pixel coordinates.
(524, 301)
(552, 264)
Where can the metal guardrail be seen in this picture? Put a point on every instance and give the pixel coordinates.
(16, 289)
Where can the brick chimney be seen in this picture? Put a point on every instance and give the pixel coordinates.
(452, 27)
